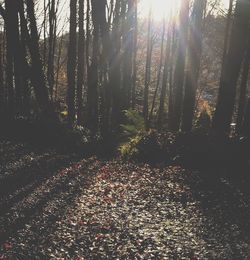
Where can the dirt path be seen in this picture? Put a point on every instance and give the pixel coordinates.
(93, 209)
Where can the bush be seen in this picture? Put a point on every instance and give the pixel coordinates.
(47, 132)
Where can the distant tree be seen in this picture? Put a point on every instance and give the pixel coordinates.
(159, 72)
(128, 34)
(148, 67)
(165, 79)
(52, 16)
(71, 66)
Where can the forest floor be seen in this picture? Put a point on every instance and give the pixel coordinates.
(58, 206)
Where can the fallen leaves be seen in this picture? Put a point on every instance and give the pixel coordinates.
(94, 209)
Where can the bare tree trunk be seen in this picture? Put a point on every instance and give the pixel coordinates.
(227, 32)
(24, 64)
(1, 76)
(92, 92)
(51, 46)
(134, 77)
(171, 74)
(245, 127)
(243, 89)
(11, 23)
(159, 69)
(148, 68)
(81, 62)
(87, 36)
(115, 67)
(37, 73)
(232, 66)
(128, 55)
(179, 75)
(164, 81)
(194, 59)
(58, 66)
(71, 66)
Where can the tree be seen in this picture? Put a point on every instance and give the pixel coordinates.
(179, 74)
(37, 73)
(92, 91)
(243, 89)
(81, 61)
(193, 67)
(148, 67)
(231, 68)
(71, 66)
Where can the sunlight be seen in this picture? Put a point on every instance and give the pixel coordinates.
(160, 8)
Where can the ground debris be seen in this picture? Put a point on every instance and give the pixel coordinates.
(94, 209)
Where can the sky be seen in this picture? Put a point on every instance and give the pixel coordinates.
(160, 7)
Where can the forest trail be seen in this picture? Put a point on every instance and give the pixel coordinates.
(55, 206)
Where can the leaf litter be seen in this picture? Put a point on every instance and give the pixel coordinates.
(97, 209)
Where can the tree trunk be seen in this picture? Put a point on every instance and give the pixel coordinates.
(243, 89)
(179, 74)
(37, 72)
(71, 65)
(115, 67)
(92, 92)
(128, 55)
(148, 68)
(194, 60)
(159, 70)
(81, 62)
(51, 46)
(232, 66)
(164, 81)
(135, 36)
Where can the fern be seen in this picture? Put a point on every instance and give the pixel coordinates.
(135, 123)
(132, 133)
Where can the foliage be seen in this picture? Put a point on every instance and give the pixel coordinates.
(46, 131)
(142, 145)
(135, 123)
(204, 118)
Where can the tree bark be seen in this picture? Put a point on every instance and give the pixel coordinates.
(71, 64)
(148, 68)
(81, 62)
(194, 60)
(232, 66)
(179, 74)
(243, 89)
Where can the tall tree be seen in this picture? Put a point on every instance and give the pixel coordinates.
(52, 6)
(81, 61)
(164, 80)
(179, 74)
(243, 89)
(92, 92)
(71, 66)
(159, 72)
(135, 46)
(37, 72)
(148, 67)
(193, 67)
(231, 68)
(115, 66)
(128, 53)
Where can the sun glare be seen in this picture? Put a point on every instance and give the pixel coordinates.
(164, 8)
(160, 8)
